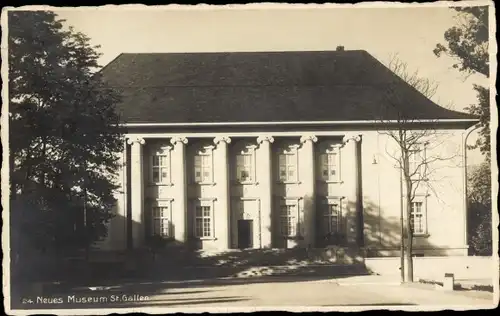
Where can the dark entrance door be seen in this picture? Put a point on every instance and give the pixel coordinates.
(245, 233)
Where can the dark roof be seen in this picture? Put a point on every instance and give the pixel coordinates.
(263, 87)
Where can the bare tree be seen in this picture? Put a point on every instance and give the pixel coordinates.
(423, 85)
(415, 149)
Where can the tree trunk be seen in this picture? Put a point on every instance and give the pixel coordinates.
(409, 236)
(402, 223)
(408, 199)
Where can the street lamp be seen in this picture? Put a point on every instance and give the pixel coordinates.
(466, 205)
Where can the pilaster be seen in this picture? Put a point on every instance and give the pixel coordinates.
(354, 193)
(266, 188)
(307, 168)
(222, 185)
(179, 180)
(137, 190)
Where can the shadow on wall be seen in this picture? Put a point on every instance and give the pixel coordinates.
(306, 232)
(300, 220)
(180, 262)
(168, 262)
(383, 235)
(382, 238)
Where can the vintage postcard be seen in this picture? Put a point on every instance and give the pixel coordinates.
(243, 158)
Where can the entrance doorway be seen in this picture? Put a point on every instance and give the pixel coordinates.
(245, 233)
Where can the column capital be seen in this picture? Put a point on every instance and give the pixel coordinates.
(135, 139)
(224, 139)
(351, 137)
(265, 138)
(308, 137)
(178, 139)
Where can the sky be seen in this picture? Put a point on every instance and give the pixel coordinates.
(409, 33)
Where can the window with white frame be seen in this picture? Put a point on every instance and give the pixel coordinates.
(287, 165)
(203, 166)
(160, 166)
(329, 165)
(245, 165)
(416, 161)
(332, 217)
(203, 221)
(161, 221)
(418, 217)
(288, 219)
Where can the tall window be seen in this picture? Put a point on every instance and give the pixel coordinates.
(203, 221)
(288, 166)
(288, 220)
(203, 167)
(329, 164)
(416, 160)
(160, 169)
(161, 221)
(331, 218)
(159, 172)
(417, 218)
(244, 166)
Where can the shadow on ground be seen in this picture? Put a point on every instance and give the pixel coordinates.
(181, 267)
(156, 293)
(174, 271)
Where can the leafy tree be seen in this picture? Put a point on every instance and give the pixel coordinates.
(479, 217)
(64, 135)
(482, 110)
(467, 43)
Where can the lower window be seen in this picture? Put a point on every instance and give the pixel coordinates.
(332, 216)
(161, 221)
(288, 220)
(203, 221)
(417, 218)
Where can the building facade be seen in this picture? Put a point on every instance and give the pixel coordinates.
(217, 181)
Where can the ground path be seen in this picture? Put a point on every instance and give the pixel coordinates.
(283, 292)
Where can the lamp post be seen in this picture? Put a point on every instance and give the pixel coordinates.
(466, 204)
(401, 220)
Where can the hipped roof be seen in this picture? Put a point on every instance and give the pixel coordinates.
(254, 87)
